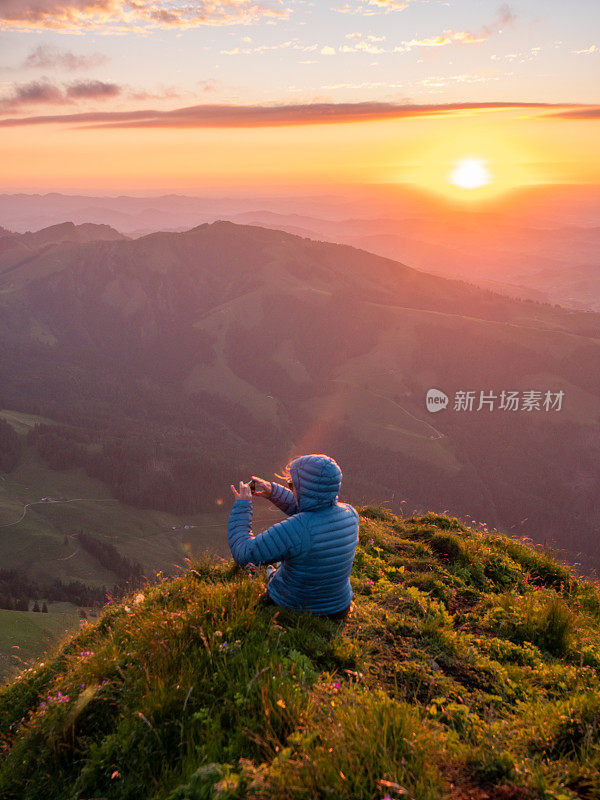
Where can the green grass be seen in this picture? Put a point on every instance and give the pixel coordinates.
(469, 666)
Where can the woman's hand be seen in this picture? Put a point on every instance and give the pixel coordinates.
(261, 487)
(244, 491)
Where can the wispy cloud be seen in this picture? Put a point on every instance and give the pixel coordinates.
(33, 93)
(45, 56)
(370, 7)
(171, 91)
(44, 92)
(588, 50)
(503, 18)
(478, 76)
(364, 85)
(241, 116)
(93, 89)
(261, 49)
(584, 112)
(363, 44)
(125, 16)
(389, 5)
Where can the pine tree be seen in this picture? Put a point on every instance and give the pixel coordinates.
(36, 606)
(44, 608)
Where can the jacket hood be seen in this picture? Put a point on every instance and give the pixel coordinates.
(317, 479)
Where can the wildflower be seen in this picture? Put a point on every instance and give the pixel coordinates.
(139, 598)
(371, 541)
(116, 774)
(369, 582)
(83, 685)
(335, 686)
(354, 673)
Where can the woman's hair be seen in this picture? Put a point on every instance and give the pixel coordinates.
(286, 475)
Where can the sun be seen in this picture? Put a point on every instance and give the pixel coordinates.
(470, 173)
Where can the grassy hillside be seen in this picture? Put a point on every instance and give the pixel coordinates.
(468, 668)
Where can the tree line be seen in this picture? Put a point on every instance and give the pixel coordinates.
(109, 557)
(10, 447)
(17, 590)
(161, 474)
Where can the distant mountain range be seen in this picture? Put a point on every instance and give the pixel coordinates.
(537, 242)
(176, 363)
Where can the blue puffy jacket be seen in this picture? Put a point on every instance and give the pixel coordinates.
(316, 544)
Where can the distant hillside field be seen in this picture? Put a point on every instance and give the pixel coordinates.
(25, 635)
(468, 668)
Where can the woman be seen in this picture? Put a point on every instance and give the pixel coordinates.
(315, 545)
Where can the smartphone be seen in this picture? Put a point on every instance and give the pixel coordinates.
(252, 484)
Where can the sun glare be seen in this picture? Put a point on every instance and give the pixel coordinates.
(470, 173)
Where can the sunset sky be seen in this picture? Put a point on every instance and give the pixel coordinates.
(150, 96)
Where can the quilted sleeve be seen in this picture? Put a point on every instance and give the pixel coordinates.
(282, 540)
(283, 499)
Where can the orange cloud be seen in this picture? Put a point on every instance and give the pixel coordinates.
(256, 116)
(584, 112)
(121, 16)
